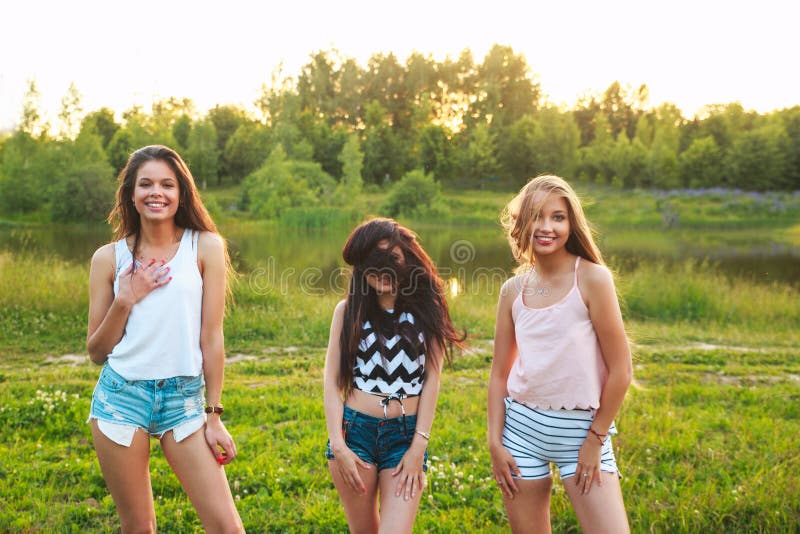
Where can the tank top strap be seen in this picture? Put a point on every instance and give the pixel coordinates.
(122, 254)
(577, 261)
(194, 237)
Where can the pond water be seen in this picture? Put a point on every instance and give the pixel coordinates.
(273, 255)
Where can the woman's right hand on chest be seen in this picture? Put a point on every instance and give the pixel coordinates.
(136, 285)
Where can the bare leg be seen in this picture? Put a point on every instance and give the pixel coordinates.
(204, 481)
(529, 510)
(602, 509)
(397, 514)
(127, 474)
(361, 510)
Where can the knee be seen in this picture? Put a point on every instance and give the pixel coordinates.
(234, 527)
(143, 526)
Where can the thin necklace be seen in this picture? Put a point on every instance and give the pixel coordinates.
(542, 288)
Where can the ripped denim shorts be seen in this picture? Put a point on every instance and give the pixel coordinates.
(156, 406)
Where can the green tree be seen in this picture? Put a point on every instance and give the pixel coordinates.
(23, 186)
(181, 129)
(272, 189)
(246, 150)
(352, 160)
(226, 120)
(202, 153)
(83, 182)
(701, 164)
(505, 91)
(477, 160)
(435, 152)
(757, 159)
(71, 109)
(31, 121)
(102, 123)
(555, 142)
(382, 153)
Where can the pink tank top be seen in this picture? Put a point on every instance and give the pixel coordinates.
(560, 364)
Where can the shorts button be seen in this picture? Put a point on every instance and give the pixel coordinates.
(160, 383)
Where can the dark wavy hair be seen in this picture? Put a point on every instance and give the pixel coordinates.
(420, 291)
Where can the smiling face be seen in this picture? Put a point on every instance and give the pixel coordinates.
(156, 193)
(551, 229)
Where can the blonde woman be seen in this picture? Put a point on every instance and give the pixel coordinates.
(561, 366)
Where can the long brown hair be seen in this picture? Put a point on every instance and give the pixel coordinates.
(521, 212)
(191, 212)
(420, 291)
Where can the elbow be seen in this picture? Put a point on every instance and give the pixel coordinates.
(97, 358)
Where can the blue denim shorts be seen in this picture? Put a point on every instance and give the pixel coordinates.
(381, 442)
(155, 406)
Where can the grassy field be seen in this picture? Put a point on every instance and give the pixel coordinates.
(708, 435)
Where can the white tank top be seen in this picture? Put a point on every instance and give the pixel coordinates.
(162, 335)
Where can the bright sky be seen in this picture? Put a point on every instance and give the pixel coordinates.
(120, 53)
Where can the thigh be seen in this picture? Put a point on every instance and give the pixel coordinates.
(361, 510)
(126, 471)
(397, 514)
(529, 510)
(602, 509)
(204, 481)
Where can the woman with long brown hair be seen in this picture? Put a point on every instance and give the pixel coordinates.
(388, 340)
(157, 300)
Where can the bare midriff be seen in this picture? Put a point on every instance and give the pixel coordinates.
(371, 404)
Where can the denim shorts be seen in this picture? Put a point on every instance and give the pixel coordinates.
(381, 442)
(156, 406)
(536, 438)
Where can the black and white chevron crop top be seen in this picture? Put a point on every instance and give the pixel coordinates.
(383, 365)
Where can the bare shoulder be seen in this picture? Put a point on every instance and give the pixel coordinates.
(104, 259)
(338, 311)
(210, 241)
(512, 287)
(595, 274)
(595, 281)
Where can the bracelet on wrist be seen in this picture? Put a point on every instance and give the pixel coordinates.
(600, 437)
(215, 409)
(426, 435)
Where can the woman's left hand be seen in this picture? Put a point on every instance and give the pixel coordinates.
(218, 437)
(588, 470)
(411, 475)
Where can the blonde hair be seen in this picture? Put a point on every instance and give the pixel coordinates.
(519, 215)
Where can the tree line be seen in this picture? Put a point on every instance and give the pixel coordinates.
(337, 127)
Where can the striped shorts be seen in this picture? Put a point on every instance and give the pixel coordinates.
(536, 438)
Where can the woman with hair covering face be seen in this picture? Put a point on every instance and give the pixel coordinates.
(156, 303)
(387, 343)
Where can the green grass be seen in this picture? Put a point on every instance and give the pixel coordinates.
(707, 436)
(707, 443)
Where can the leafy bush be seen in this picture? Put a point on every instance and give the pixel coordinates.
(280, 184)
(416, 194)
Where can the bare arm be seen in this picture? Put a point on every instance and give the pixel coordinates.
(346, 460)
(597, 288)
(108, 314)
(505, 353)
(211, 260)
(606, 318)
(332, 395)
(410, 473)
